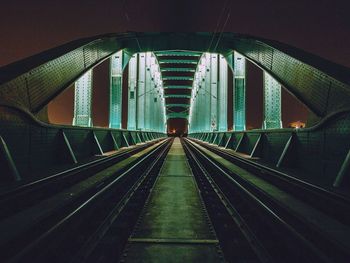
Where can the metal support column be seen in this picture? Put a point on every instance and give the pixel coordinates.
(141, 92)
(213, 92)
(200, 99)
(82, 100)
(222, 95)
(153, 94)
(209, 96)
(157, 94)
(272, 103)
(132, 96)
(150, 99)
(201, 111)
(115, 105)
(147, 94)
(206, 106)
(239, 92)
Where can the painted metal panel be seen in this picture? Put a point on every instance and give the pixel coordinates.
(148, 96)
(239, 92)
(141, 92)
(272, 103)
(206, 106)
(132, 93)
(151, 103)
(222, 95)
(32, 83)
(213, 92)
(82, 100)
(116, 80)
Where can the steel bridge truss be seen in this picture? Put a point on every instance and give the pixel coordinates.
(146, 100)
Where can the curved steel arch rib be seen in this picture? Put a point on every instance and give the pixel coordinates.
(32, 83)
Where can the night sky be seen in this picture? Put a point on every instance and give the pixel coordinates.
(28, 27)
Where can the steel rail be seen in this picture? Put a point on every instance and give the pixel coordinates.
(331, 203)
(270, 210)
(26, 195)
(57, 224)
(150, 173)
(208, 187)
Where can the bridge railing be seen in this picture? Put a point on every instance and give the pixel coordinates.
(30, 149)
(319, 155)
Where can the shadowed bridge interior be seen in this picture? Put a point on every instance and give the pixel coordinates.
(151, 197)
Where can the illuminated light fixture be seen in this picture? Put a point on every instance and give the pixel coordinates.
(296, 124)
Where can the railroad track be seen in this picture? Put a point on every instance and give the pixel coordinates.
(248, 223)
(273, 231)
(108, 242)
(329, 202)
(236, 239)
(25, 195)
(72, 230)
(174, 225)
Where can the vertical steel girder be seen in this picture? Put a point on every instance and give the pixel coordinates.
(222, 94)
(141, 92)
(206, 86)
(157, 109)
(239, 72)
(132, 93)
(213, 68)
(116, 75)
(150, 95)
(272, 103)
(206, 113)
(82, 100)
(196, 116)
(147, 94)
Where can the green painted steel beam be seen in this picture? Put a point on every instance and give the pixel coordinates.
(151, 110)
(178, 61)
(178, 87)
(141, 90)
(116, 80)
(213, 89)
(173, 115)
(178, 53)
(222, 94)
(65, 62)
(177, 96)
(132, 93)
(163, 58)
(183, 105)
(206, 95)
(177, 78)
(184, 69)
(239, 93)
(272, 103)
(82, 100)
(126, 58)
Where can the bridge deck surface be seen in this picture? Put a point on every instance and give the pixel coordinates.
(174, 226)
(335, 230)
